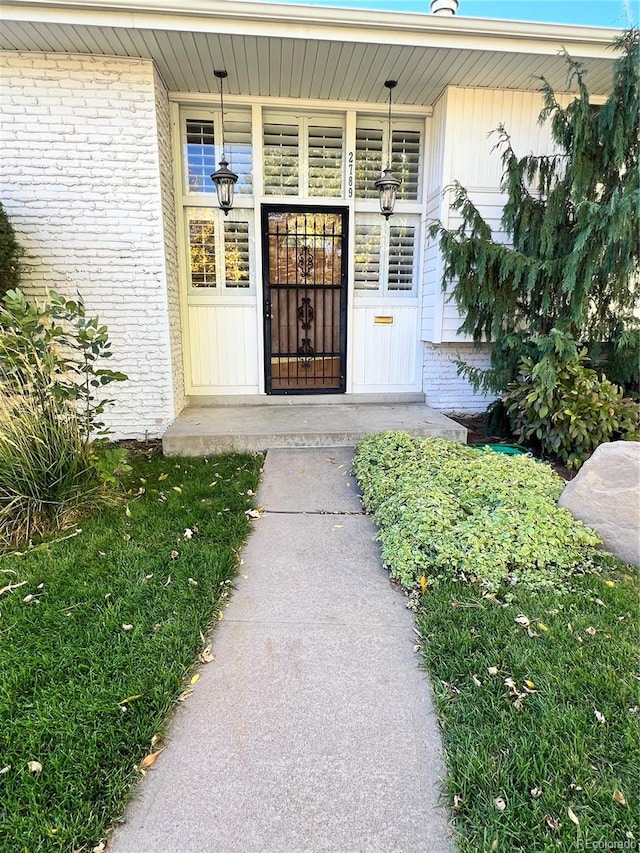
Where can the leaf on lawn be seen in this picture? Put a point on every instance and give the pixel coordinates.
(177, 489)
(127, 627)
(162, 477)
(4, 770)
(206, 655)
(492, 670)
(150, 760)
(174, 555)
(532, 634)
(252, 513)
(168, 581)
(590, 631)
(600, 602)
(573, 817)
(192, 582)
(27, 599)
(423, 583)
(609, 583)
(542, 626)
(194, 678)
(155, 739)
(570, 628)
(529, 684)
(476, 681)
(457, 802)
(599, 717)
(130, 699)
(536, 793)
(552, 822)
(127, 511)
(100, 848)
(188, 533)
(34, 767)
(523, 620)
(499, 804)
(619, 797)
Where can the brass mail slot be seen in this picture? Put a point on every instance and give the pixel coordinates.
(383, 321)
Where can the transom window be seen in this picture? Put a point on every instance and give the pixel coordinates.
(303, 155)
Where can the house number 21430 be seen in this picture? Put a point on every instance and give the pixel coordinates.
(350, 161)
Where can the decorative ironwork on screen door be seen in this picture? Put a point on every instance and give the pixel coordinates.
(305, 299)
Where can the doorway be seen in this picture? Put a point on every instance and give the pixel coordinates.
(305, 299)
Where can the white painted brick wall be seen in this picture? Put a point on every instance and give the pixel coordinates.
(80, 176)
(443, 388)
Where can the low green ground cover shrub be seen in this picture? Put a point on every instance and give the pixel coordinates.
(447, 510)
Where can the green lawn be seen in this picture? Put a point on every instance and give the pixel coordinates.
(535, 675)
(101, 640)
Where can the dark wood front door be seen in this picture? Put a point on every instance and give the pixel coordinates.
(305, 299)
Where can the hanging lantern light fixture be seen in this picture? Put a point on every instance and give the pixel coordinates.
(387, 184)
(223, 177)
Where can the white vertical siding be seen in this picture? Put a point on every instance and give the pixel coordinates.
(223, 349)
(385, 356)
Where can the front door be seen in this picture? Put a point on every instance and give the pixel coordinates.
(305, 299)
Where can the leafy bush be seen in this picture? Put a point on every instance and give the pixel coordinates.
(448, 510)
(54, 348)
(50, 471)
(11, 254)
(566, 409)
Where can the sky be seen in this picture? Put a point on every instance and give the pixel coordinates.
(596, 13)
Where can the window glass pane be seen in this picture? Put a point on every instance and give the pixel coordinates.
(199, 155)
(237, 145)
(202, 250)
(402, 240)
(236, 254)
(405, 162)
(367, 256)
(368, 159)
(280, 158)
(325, 161)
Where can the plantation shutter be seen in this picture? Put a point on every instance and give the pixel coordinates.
(281, 153)
(368, 159)
(236, 254)
(367, 256)
(405, 162)
(200, 155)
(237, 143)
(401, 254)
(325, 161)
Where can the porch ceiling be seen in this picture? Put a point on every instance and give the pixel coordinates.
(310, 52)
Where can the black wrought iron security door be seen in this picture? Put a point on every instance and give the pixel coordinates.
(305, 299)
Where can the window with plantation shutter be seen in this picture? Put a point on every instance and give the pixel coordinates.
(236, 254)
(281, 157)
(369, 151)
(385, 254)
(219, 248)
(325, 160)
(200, 155)
(402, 241)
(237, 144)
(405, 159)
(367, 256)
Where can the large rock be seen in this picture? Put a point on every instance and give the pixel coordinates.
(605, 495)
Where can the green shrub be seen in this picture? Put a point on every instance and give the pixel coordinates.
(51, 472)
(11, 254)
(55, 348)
(566, 409)
(448, 510)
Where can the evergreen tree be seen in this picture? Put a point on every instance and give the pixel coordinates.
(572, 219)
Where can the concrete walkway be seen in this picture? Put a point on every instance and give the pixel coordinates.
(313, 730)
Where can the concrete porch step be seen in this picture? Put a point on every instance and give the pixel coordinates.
(251, 428)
